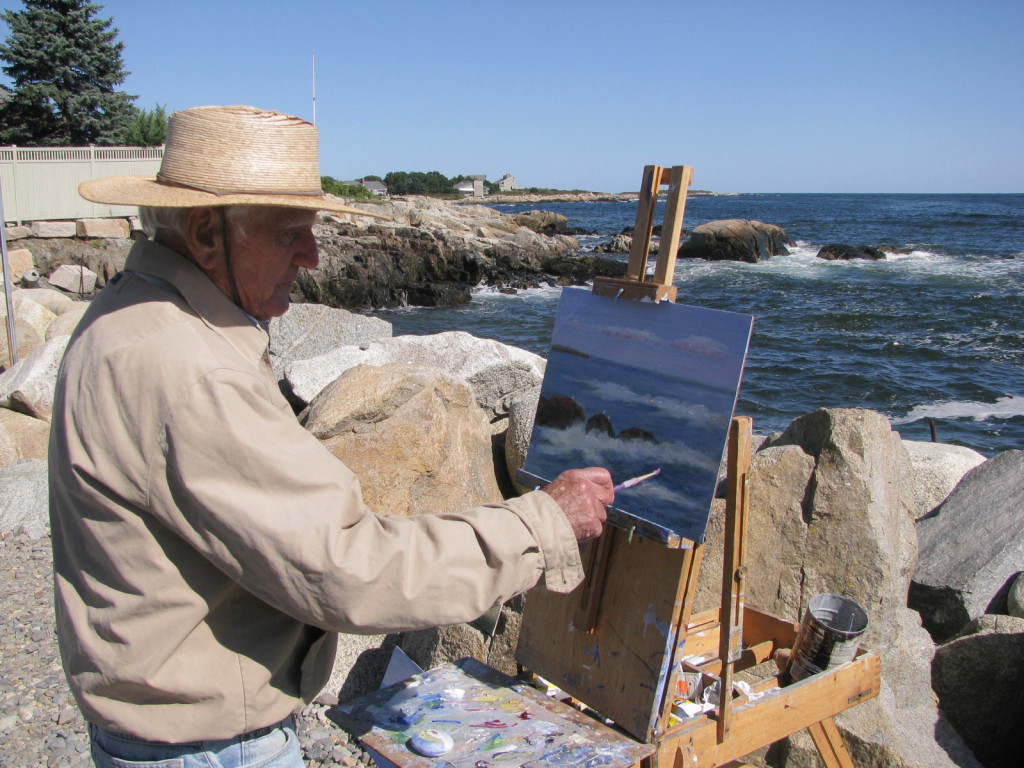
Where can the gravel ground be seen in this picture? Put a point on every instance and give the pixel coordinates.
(39, 722)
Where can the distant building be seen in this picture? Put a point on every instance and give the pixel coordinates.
(378, 188)
(507, 183)
(471, 187)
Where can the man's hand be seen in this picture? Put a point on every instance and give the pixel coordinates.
(583, 494)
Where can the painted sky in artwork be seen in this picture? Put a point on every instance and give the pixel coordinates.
(678, 340)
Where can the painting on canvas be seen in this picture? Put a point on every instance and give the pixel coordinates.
(639, 387)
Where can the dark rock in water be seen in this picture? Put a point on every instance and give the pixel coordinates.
(438, 294)
(559, 412)
(600, 422)
(636, 433)
(840, 252)
(977, 678)
(735, 240)
(578, 270)
(971, 547)
(618, 244)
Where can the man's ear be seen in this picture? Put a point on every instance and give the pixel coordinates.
(203, 237)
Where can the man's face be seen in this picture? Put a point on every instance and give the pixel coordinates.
(266, 254)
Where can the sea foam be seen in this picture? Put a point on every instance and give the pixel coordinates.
(1004, 408)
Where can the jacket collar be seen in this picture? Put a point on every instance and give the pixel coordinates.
(212, 306)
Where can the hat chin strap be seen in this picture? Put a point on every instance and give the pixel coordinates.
(227, 258)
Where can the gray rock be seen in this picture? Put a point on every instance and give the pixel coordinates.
(75, 279)
(938, 467)
(413, 435)
(735, 240)
(1015, 597)
(28, 386)
(31, 313)
(830, 502)
(22, 437)
(979, 679)
(545, 222)
(55, 301)
(66, 322)
(309, 330)
(854, 541)
(971, 547)
(495, 372)
(24, 503)
(437, 645)
(359, 665)
(28, 339)
(618, 244)
(18, 232)
(521, 412)
(54, 229)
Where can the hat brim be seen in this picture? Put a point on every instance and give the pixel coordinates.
(147, 191)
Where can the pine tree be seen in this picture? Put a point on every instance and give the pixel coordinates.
(147, 129)
(65, 65)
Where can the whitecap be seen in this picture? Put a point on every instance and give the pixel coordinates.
(1007, 407)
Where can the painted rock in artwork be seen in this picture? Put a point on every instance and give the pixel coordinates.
(431, 743)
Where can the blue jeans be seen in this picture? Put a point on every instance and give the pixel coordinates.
(273, 747)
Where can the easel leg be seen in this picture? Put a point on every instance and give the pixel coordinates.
(830, 744)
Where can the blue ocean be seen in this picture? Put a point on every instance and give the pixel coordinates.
(932, 337)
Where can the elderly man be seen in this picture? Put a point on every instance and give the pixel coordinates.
(206, 547)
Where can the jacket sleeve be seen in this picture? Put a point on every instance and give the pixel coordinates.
(245, 485)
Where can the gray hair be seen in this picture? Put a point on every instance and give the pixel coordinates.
(172, 220)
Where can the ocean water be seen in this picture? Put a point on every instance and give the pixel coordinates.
(931, 337)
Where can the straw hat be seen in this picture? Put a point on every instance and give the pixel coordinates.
(228, 156)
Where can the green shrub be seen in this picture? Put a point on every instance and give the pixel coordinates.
(334, 187)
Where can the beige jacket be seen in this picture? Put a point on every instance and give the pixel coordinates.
(207, 547)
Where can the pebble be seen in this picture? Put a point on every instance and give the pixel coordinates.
(40, 726)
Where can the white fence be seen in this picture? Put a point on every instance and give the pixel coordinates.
(41, 183)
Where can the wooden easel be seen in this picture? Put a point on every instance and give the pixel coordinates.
(621, 643)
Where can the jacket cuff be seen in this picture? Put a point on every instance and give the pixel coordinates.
(563, 568)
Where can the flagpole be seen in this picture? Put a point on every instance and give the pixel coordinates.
(314, 87)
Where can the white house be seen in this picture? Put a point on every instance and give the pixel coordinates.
(378, 188)
(471, 187)
(507, 183)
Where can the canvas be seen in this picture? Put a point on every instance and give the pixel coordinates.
(641, 387)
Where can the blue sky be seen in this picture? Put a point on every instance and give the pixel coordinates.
(757, 96)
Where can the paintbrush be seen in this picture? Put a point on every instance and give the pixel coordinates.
(636, 480)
